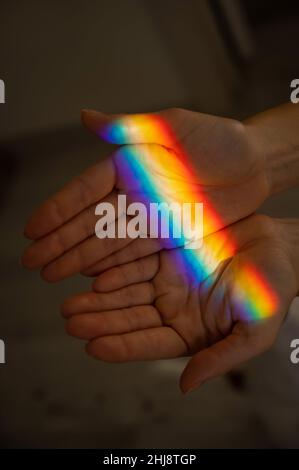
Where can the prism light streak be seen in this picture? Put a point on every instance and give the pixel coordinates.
(162, 173)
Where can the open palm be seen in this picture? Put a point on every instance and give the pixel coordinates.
(222, 157)
(148, 309)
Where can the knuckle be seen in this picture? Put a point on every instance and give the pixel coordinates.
(140, 268)
(151, 292)
(85, 191)
(58, 241)
(121, 273)
(57, 210)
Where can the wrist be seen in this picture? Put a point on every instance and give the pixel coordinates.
(274, 137)
(288, 233)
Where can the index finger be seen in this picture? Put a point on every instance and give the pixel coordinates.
(164, 127)
(89, 187)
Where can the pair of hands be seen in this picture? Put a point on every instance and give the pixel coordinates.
(141, 308)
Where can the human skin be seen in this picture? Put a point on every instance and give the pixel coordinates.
(237, 166)
(147, 309)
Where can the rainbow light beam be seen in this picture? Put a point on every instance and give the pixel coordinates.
(159, 171)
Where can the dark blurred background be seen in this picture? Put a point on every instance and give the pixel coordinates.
(227, 57)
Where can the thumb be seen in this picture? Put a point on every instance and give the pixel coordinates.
(120, 129)
(100, 123)
(220, 358)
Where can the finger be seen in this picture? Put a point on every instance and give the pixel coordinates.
(138, 248)
(81, 256)
(163, 127)
(81, 227)
(143, 345)
(223, 244)
(141, 270)
(242, 344)
(45, 250)
(84, 190)
(90, 302)
(93, 325)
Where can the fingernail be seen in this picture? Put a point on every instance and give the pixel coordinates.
(191, 388)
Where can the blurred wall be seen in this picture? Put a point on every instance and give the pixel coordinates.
(115, 55)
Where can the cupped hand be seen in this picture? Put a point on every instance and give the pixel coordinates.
(153, 308)
(215, 157)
